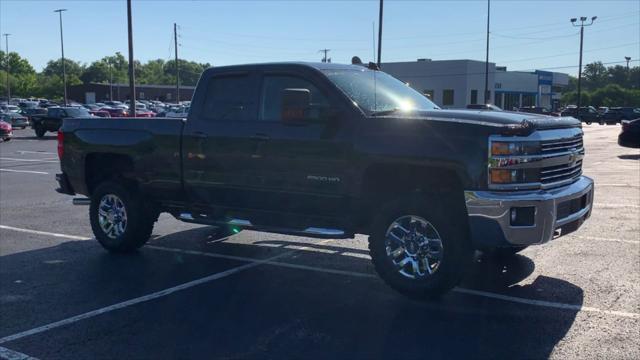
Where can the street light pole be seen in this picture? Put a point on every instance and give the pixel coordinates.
(132, 76)
(581, 25)
(486, 63)
(8, 63)
(628, 58)
(64, 72)
(380, 33)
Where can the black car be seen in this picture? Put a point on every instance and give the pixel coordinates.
(587, 114)
(617, 114)
(630, 135)
(52, 120)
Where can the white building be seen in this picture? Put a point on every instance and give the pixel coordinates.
(457, 83)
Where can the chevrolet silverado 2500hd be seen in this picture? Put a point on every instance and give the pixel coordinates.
(328, 150)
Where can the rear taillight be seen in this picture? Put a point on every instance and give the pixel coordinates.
(60, 144)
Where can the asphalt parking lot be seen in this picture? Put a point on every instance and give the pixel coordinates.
(190, 294)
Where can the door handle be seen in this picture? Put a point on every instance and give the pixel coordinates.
(260, 137)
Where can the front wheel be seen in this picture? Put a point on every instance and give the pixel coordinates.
(420, 248)
(120, 219)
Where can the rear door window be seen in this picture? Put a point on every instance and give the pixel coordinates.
(271, 96)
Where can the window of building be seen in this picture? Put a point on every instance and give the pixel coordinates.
(272, 89)
(528, 100)
(447, 97)
(429, 94)
(474, 96)
(227, 98)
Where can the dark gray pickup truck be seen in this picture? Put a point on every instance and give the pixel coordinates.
(327, 150)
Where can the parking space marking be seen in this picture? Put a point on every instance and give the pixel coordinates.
(30, 160)
(8, 354)
(72, 237)
(25, 171)
(514, 299)
(147, 297)
(34, 152)
(617, 185)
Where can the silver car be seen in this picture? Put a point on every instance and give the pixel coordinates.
(16, 120)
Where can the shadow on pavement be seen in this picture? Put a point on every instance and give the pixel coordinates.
(270, 311)
(629, 157)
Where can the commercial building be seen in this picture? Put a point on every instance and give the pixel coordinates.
(457, 83)
(95, 92)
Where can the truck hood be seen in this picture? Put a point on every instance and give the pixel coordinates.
(505, 121)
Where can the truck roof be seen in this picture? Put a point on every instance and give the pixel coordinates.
(313, 65)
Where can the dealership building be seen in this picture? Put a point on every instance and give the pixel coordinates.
(97, 92)
(457, 83)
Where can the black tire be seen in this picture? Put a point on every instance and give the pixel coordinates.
(457, 251)
(40, 132)
(140, 217)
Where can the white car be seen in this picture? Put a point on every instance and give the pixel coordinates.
(9, 108)
(180, 112)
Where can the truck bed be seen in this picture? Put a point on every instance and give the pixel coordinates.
(149, 148)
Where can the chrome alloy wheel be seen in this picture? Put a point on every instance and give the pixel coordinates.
(112, 216)
(414, 246)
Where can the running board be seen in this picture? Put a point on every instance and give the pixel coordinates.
(246, 224)
(81, 201)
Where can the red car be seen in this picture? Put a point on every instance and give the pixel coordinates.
(6, 132)
(145, 113)
(115, 112)
(100, 113)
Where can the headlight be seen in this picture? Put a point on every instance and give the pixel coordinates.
(510, 176)
(502, 148)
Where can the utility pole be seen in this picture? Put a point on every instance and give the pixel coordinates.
(380, 33)
(487, 99)
(175, 42)
(628, 58)
(132, 75)
(581, 25)
(8, 63)
(110, 81)
(325, 51)
(64, 72)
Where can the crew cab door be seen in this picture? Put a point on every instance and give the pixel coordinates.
(305, 160)
(218, 141)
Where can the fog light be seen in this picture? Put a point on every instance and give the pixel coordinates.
(523, 216)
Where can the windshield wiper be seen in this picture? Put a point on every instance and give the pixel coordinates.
(385, 112)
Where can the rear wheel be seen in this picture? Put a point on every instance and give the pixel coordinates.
(120, 219)
(419, 247)
(40, 131)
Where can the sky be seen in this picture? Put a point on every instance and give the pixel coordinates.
(525, 35)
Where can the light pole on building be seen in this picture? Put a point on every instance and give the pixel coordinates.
(582, 24)
(64, 72)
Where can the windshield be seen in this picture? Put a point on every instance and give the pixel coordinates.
(376, 91)
(77, 112)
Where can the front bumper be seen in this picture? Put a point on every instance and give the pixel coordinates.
(556, 212)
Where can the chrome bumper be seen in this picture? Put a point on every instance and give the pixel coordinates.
(556, 212)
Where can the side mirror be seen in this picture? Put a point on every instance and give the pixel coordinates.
(295, 103)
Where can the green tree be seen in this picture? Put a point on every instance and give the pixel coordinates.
(594, 75)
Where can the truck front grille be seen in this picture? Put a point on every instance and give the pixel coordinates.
(552, 174)
(563, 145)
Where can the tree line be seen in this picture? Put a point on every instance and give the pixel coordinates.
(605, 86)
(25, 81)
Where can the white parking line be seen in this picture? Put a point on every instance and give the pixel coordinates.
(539, 303)
(34, 152)
(8, 354)
(73, 237)
(617, 185)
(608, 239)
(49, 160)
(25, 171)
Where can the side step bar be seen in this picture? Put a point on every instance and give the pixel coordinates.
(246, 224)
(81, 201)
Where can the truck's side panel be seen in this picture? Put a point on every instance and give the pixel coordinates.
(147, 150)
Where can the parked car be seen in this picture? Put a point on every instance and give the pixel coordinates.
(53, 119)
(603, 109)
(630, 134)
(32, 111)
(6, 132)
(490, 107)
(16, 120)
(588, 114)
(317, 150)
(180, 112)
(623, 113)
(116, 112)
(9, 108)
(145, 113)
(99, 113)
(538, 110)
